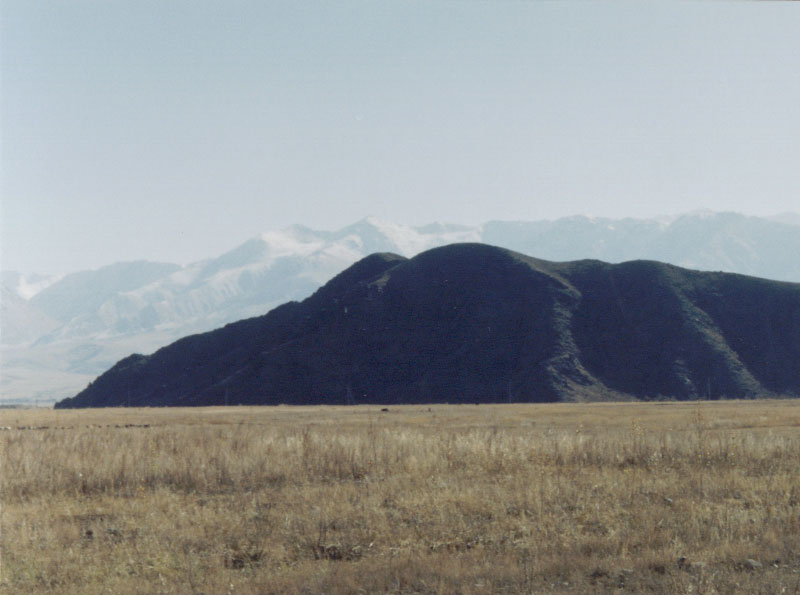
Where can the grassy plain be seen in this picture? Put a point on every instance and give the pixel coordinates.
(669, 497)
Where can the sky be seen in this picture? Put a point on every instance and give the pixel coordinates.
(173, 131)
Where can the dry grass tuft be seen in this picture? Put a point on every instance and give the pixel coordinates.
(678, 497)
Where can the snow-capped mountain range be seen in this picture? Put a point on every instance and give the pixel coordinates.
(58, 333)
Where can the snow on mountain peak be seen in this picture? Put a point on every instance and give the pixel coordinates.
(27, 286)
(141, 306)
(381, 235)
(292, 241)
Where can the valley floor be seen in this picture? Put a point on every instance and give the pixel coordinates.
(668, 497)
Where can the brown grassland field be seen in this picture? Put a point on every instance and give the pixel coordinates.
(568, 498)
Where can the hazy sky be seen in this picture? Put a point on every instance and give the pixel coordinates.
(175, 130)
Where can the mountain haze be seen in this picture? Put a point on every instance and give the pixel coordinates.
(60, 332)
(477, 323)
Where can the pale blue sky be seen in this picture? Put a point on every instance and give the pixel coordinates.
(175, 130)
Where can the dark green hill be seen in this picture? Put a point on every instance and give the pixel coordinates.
(475, 323)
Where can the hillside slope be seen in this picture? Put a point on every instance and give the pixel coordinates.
(476, 323)
(60, 332)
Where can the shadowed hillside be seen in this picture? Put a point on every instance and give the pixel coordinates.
(475, 323)
(60, 332)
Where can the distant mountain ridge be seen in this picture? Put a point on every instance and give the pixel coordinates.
(57, 333)
(476, 323)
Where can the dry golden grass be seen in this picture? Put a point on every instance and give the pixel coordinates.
(678, 497)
